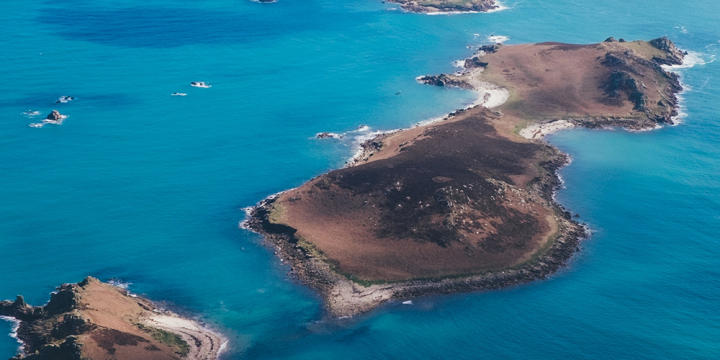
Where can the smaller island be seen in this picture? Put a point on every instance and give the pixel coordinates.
(447, 6)
(92, 320)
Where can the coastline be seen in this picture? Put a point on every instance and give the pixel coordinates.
(95, 320)
(345, 296)
(442, 8)
(14, 332)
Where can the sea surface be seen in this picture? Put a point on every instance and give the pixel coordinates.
(147, 189)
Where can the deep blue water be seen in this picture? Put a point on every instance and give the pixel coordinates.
(147, 188)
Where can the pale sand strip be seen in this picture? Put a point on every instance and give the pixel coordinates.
(204, 344)
(538, 130)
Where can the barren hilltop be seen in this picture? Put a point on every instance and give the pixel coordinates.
(467, 203)
(92, 320)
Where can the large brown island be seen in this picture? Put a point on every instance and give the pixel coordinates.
(467, 203)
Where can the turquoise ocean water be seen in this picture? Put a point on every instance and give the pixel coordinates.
(148, 189)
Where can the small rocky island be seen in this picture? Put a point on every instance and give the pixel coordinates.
(467, 203)
(92, 320)
(447, 6)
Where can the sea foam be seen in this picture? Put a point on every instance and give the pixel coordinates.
(692, 59)
(14, 331)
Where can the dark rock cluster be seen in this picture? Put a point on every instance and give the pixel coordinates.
(42, 328)
(444, 80)
(621, 81)
(445, 6)
(674, 55)
(55, 116)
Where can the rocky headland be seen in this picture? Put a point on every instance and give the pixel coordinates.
(467, 203)
(447, 6)
(92, 320)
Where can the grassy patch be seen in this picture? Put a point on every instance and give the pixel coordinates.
(310, 249)
(276, 212)
(174, 341)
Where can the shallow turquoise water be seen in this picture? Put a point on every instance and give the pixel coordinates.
(146, 188)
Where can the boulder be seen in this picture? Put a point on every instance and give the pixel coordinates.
(55, 116)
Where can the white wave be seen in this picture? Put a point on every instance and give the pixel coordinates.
(409, 302)
(200, 84)
(64, 99)
(500, 7)
(48, 121)
(329, 135)
(223, 347)
(691, 59)
(31, 113)
(497, 39)
(357, 140)
(178, 94)
(682, 109)
(119, 283)
(14, 331)
(430, 121)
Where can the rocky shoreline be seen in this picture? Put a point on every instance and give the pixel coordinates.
(345, 296)
(94, 320)
(433, 6)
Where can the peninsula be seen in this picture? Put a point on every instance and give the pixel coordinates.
(92, 320)
(466, 203)
(447, 6)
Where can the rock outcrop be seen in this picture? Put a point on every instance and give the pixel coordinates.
(96, 321)
(55, 116)
(447, 5)
(444, 80)
(621, 81)
(674, 56)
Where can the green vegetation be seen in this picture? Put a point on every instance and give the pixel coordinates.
(174, 341)
(310, 249)
(276, 212)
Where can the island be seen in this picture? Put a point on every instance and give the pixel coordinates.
(467, 203)
(92, 320)
(447, 6)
